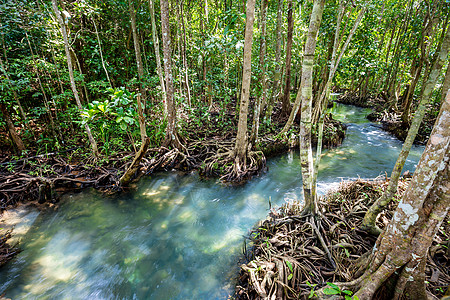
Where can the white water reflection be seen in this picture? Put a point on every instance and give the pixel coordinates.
(176, 236)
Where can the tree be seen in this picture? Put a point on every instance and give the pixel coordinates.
(286, 100)
(262, 78)
(241, 145)
(305, 94)
(402, 248)
(171, 138)
(62, 23)
(375, 209)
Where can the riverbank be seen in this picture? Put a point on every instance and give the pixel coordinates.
(389, 115)
(40, 180)
(287, 260)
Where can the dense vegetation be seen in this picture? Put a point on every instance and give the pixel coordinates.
(197, 84)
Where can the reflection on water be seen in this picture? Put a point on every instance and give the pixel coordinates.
(176, 236)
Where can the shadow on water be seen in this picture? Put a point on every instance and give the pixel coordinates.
(176, 236)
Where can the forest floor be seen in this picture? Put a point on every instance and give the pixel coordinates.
(286, 260)
(389, 115)
(40, 180)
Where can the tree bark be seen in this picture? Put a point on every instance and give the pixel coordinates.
(375, 209)
(262, 66)
(171, 138)
(305, 94)
(137, 49)
(286, 102)
(240, 148)
(158, 57)
(446, 83)
(404, 245)
(185, 65)
(72, 79)
(277, 73)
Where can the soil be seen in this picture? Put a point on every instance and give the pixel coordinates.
(286, 260)
(390, 116)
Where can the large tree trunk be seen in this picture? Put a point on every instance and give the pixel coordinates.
(71, 76)
(262, 66)
(240, 148)
(171, 138)
(158, 56)
(286, 102)
(403, 246)
(305, 94)
(375, 209)
(12, 130)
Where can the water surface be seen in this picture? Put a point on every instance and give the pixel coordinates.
(177, 236)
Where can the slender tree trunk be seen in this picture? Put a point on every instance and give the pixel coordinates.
(305, 94)
(134, 167)
(158, 56)
(185, 65)
(171, 138)
(240, 148)
(286, 102)
(375, 209)
(38, 76)
(12, 130)
(277, 73)
(72, 79)
(137, 50)
(101, 52)
(262, 66)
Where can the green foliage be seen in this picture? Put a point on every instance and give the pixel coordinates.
(335, 290)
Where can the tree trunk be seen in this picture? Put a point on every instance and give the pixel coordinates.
(101, 52)
(240, 148)
(134, 167)
(171, 138)
(185, 65)
(158, 56)
(286, 102)
(137, 49)
(305, 94)
(12, 130)
(375, 209)
(262, 66)
(277, 73)
(404, 245)
(72, 79)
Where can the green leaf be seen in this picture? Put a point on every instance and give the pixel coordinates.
(348, 297)
(347, 292)
(328, 291)
(123, 126)
(334, 286)
(290, 276)
(288, 263)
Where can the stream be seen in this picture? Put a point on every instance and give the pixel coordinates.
(177, 236)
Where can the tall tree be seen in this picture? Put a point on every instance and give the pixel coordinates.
(277, 72)
(375, 209)
(158, 56)
(286, 100)
(262, 68)
(305, 94)
(137, 48)
(240, 148)
(62, 24)
(171, 138)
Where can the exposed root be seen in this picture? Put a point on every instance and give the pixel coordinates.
(302, 265)
(6, 251)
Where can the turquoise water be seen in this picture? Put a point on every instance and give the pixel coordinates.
(176, 236)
